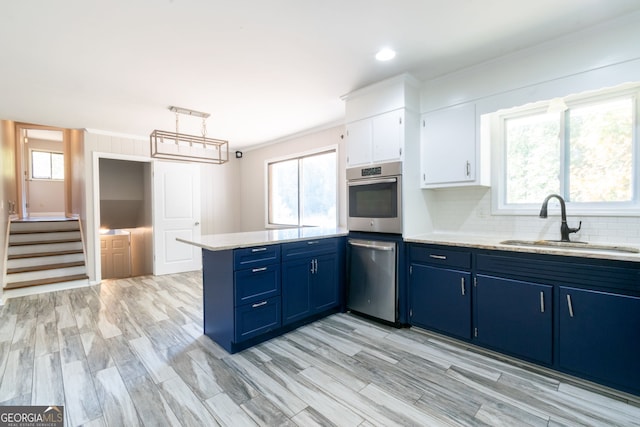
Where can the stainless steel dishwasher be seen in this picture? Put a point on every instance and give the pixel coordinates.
(373, 278)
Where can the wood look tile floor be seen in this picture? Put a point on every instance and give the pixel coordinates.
(131, 352)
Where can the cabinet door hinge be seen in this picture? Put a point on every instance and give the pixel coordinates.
(411, 312)
(400, 150)
(424, 124)
(475, 282)
(399, 120)
(410, 270)
(475, 332)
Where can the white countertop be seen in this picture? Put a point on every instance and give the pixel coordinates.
(492, 242)
(220, 242)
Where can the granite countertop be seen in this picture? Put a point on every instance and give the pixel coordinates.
(220, 242)
(493, 242)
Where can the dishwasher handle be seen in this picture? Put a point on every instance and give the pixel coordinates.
(376, 246)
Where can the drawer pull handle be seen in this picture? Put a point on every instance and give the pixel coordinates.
(259, 304)
(462, 285)
(541, 302)
(570, 305)
(258, 249)
(313, 242)
(437, 256)
(256, 270)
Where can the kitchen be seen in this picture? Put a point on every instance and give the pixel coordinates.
(465, 210)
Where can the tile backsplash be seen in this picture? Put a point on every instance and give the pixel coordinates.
(468, 210)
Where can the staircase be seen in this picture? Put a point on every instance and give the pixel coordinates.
(44, 252)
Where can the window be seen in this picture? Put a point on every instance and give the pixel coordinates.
(47, 165)
(302, 190)
(584, 148)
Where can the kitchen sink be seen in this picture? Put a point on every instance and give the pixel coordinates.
(571, 245)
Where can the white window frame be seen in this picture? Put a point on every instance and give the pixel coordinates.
(43, 150)
(327, 149)
(497, 132)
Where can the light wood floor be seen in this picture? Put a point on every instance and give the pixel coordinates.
(131, 352)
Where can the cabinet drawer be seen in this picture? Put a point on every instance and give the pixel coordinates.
(437, 256)
(309, 248)
(256, 283)
(259, 255)
(257, 318)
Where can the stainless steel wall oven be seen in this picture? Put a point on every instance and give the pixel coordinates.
(375, 198)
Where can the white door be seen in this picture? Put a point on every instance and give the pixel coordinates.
(176, 213)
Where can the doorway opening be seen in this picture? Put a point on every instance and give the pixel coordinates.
(43, 191)
(126, 240)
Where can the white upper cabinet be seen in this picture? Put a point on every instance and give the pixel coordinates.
(450, 149)
(388, 136)
(375, 139)
(376, 129)
(359, 143)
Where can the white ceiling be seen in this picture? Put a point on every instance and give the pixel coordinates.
(264, 69)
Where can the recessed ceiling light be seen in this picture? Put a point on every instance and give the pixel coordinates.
(385, 54)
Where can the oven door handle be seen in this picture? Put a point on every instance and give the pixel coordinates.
(378, 247)
(372, 181)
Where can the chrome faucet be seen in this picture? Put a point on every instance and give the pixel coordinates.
(565, 230)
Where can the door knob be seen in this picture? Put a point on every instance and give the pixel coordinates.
(197, 223)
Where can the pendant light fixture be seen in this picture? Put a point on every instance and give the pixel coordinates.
(190, 148)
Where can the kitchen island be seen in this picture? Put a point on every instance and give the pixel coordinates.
(261, 284)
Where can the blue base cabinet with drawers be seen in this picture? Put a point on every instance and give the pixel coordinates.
(577, 315)
(254, 294)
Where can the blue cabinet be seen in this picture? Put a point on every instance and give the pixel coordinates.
(256, 283)
(576, 315)
(254, 294)
(440, 290)
(242, 298)
(257, 318)
(310, 279)
(515, 317)
(599, 336)
(440, 299)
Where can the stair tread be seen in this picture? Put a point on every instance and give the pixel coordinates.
(35, 220)
(45, 281)
(44, 254)
(44, 267)
(44, 242)
(48, 230)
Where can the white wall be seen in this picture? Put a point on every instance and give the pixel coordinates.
(253, 188)
(601, 57)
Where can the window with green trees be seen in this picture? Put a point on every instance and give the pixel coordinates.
(583, 148)
(302, 190)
